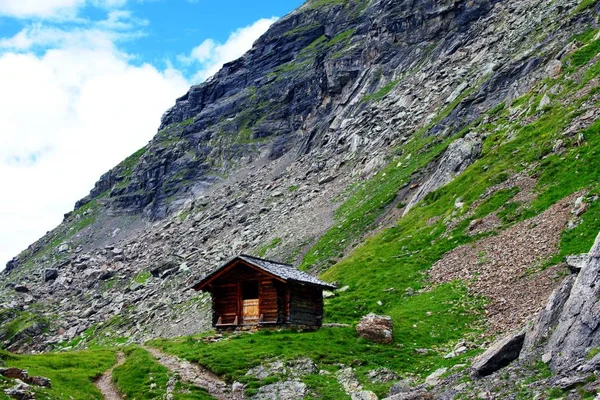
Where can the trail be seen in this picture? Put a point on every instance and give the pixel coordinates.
(105, 384)
(196, 375)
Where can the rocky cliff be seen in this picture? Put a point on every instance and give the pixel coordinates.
(463, 124)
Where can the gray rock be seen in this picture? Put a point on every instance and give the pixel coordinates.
(539, 331)
(21, 289)
(417, 394)
(459, 155)
(498, 355)
(326, 179)
(287, 390)
(49, 274)
(382, 375)
(376, 328)
(577, 330)
(434, 378)
(544, 102)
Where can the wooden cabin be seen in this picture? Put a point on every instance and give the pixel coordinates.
(250, 291)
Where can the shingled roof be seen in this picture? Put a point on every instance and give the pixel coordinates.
(285, 272)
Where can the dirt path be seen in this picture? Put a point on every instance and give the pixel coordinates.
(105, 384)
(195, 375)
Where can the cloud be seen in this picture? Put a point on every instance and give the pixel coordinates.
(68, 115)
(209, 56)
(52, 9)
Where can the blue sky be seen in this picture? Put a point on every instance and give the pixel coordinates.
(85, 82)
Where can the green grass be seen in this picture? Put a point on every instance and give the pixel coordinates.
(142, 277)
(381, 93)
(71, 374)
(328, 347)
(15, 322)
(262, 251)
(584, 5)
(142, 377)
(371, 198)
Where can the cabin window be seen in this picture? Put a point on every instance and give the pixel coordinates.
(250, 290)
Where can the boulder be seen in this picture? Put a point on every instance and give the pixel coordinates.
(287, 390)
(434, 378)
(49, 274)
(499, 355)
(382, 375)
(376, 328)
(21, 289)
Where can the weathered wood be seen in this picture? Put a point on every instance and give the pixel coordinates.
(278, 302)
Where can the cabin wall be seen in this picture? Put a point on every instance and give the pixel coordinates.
(225, 303)
(306, 305)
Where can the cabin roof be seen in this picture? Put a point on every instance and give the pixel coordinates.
(282, 271)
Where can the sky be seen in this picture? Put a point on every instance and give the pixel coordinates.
(83, 84)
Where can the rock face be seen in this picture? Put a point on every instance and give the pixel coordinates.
(499, 355)
(576, 332)
(376, 328)
(459, 155)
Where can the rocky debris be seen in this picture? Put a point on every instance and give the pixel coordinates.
(419, 394)
(382, 375)
(376, 328)
(348, 381)
(295, 368)
(498, 355)
(22, 388)
(196, 375)
(286, 390)
(50, 274)
(497, 267)
(459, 155)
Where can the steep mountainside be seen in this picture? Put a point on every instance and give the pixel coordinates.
(438, 160)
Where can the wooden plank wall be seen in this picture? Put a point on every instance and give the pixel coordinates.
(269, 307)
(306, 305)
(225, 303)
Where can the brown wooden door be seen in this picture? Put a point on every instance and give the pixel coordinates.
(250, 312)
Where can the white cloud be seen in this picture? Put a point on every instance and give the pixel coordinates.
(40, 8)
(210, 56)
(74, 105)
(68, 115)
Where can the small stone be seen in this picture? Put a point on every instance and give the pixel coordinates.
(327, 179)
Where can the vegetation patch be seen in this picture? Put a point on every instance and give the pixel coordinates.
(142, 377)
(72, 374)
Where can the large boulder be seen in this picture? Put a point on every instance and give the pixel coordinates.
(499, 355)
(50, 274)
(376, 328)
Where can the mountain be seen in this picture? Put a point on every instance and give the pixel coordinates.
(437, 160)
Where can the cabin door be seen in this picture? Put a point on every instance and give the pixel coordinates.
(250, 302)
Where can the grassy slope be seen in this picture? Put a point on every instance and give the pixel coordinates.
(142, 377)
(398, 257)
(71, 374)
